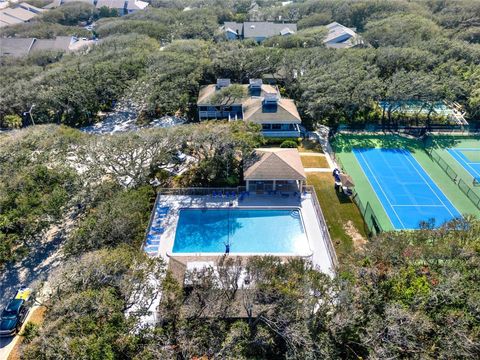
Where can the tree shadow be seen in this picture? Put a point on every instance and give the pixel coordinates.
(347, 142)
(32, 270)
(342, 198)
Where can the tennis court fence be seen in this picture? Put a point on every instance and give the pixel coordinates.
(369, 216)
(443, 164)
(466, 189)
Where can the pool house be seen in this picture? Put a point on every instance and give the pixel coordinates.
(274, 171)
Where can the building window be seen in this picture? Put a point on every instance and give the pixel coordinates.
(266, 126)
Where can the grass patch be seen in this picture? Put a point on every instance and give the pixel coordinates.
(310, 146)
(338, 210)
(314, 162)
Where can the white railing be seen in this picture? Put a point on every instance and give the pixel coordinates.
(323, 225)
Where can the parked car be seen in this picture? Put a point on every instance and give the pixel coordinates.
(15, 313)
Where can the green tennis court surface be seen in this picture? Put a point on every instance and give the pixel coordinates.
(344, 146)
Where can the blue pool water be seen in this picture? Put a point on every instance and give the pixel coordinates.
(247, 231)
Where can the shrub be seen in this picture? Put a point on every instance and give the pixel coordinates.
(279, 141)
(29, 332)
(288, 144)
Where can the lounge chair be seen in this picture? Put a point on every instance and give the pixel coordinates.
(157, 229)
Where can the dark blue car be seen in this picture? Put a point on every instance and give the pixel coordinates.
(13, 317)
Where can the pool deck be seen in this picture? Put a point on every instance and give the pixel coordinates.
(319, 252)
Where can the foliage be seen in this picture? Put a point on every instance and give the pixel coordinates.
(86, 314)
(289, 144)
(70, 13)
(30, 331)
(229, 95)
(119, 219)
(12, 121)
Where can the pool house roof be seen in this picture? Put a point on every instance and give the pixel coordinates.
(275, 164)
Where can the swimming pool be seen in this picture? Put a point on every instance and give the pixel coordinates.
(252, 231)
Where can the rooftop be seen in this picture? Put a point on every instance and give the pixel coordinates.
(260, 29)
(275, 163)
(111, 4)
(15, 46)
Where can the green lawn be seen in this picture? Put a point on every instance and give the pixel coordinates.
(314, 162)
(310, 146)
(338, 210)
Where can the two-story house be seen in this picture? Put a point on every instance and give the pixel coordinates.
(262, 104)
(258, 30)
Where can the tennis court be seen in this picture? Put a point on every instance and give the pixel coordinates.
(406, 192)
(469, 158)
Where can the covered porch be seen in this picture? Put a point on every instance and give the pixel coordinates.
(275, 170)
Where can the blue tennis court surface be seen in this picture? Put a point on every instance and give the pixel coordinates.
(468, 159)
(405, 190)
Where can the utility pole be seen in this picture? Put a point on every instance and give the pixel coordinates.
(30, 113)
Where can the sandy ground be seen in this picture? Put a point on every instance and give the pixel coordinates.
(358, 240)
(32, 272)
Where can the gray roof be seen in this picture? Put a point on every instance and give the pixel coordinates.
(59, 43)
(266, 29)
(9, 20)
(15, 47)
(259, 29)
(336, 31)
(19, 13)
(136, 5)
(111, 4)
(23, 46)
(233, 26)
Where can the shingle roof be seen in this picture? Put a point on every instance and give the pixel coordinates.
(30, 7)
(19, 13)
(136, 5)
(336, 31)
(111, 4)
(275, 163)
(286, 112)
(208, 91)
(266, 29)
(258, 29)
(59, 43)
(233, 26)
(15, 47)
(9, 20)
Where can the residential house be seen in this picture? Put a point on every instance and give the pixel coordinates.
(257, 31)
(19, 14)
(57, 3)
(17, 47)
(135, 5)
(341, 37)
(263, 105)
(118, 5)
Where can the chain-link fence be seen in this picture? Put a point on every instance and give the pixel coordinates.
(443, 164)
(369, 216)
(467, 190)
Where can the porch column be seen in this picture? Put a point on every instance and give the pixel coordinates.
(274, 185)
(248, 185)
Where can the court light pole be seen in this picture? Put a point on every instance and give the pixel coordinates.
(30, 113)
